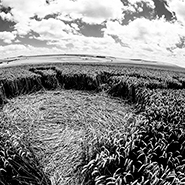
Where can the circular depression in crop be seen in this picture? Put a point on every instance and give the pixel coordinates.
(59, 124)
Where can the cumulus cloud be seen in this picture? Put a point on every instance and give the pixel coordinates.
(6, 16)
(98, 11)
(178, 6)
(23, 8)
(158, 33)
(137, 5)
(149, 39)
(21, 12)
(92, 12)
(155, 39)
(52, 29)
(149, 3)
(7, 37)
(75, 26)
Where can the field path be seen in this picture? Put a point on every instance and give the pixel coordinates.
(59, 124)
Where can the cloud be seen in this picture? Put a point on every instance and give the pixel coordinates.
(19, 49)
(139, 37)
(149, 3)
(22, 7)
(178, 6)
(21, 12)
(52, 29)
(6, 16)
(74, 44)
(98, 11)
(158, 32)
(138, 5)
(149, 39)
(92, 45)
(92, 12)
(17, 41)
(7, 37)
(75, 26)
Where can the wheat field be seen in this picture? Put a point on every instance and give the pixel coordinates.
(63, 125)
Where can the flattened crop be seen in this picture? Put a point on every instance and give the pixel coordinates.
(62, 125)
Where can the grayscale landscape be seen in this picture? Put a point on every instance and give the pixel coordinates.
(92, 92)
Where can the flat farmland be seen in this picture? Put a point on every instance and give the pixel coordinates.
(92, 123)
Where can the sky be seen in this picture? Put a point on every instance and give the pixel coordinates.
(144, 29)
